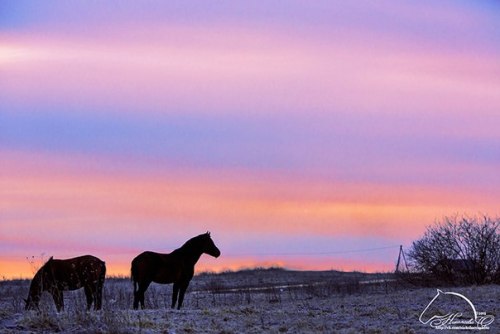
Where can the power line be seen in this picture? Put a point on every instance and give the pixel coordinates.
(314, 253)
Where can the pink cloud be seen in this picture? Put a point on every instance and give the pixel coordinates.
(245, 69)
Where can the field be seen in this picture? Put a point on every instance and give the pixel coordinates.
(251, 301)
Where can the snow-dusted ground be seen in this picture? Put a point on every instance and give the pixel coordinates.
(271, 301)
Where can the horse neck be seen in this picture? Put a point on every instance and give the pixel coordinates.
(36, 285)
(192, 254)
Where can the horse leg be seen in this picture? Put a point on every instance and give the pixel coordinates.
(143, 286)
(139, 294)
(183, 287)
(136, 296)
(89, 295)
(98, 296)
(57, 295)
(175, 292)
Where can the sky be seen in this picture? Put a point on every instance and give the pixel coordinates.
(308, 135)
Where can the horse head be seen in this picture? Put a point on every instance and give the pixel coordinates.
(40, 282)
(209, 246)
(31, 303)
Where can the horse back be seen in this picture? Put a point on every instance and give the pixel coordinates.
(157, 267)
(71, 274)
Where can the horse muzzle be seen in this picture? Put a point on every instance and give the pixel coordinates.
(216, 254)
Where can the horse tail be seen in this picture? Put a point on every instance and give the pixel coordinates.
(133, 275)
(102, 276)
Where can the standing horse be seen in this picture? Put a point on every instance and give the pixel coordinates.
(56, 276)
(176, 267)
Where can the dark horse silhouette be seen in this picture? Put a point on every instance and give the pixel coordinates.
(176, 267)
(56, 276)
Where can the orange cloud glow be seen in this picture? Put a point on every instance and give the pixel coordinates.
(52, 205)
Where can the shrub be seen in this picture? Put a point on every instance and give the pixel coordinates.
(460, 249)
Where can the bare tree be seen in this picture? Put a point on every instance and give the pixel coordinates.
(460, 249)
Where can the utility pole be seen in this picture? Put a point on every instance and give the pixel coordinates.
(401, 255)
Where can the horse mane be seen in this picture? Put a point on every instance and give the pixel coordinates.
(37, 280)
(192, 243)
(40, 270)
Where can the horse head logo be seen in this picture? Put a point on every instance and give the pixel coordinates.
(448, 309)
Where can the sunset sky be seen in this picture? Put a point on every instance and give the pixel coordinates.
(304, 134)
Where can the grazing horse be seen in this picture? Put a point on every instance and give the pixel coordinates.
(56, 276)
(176, 267)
